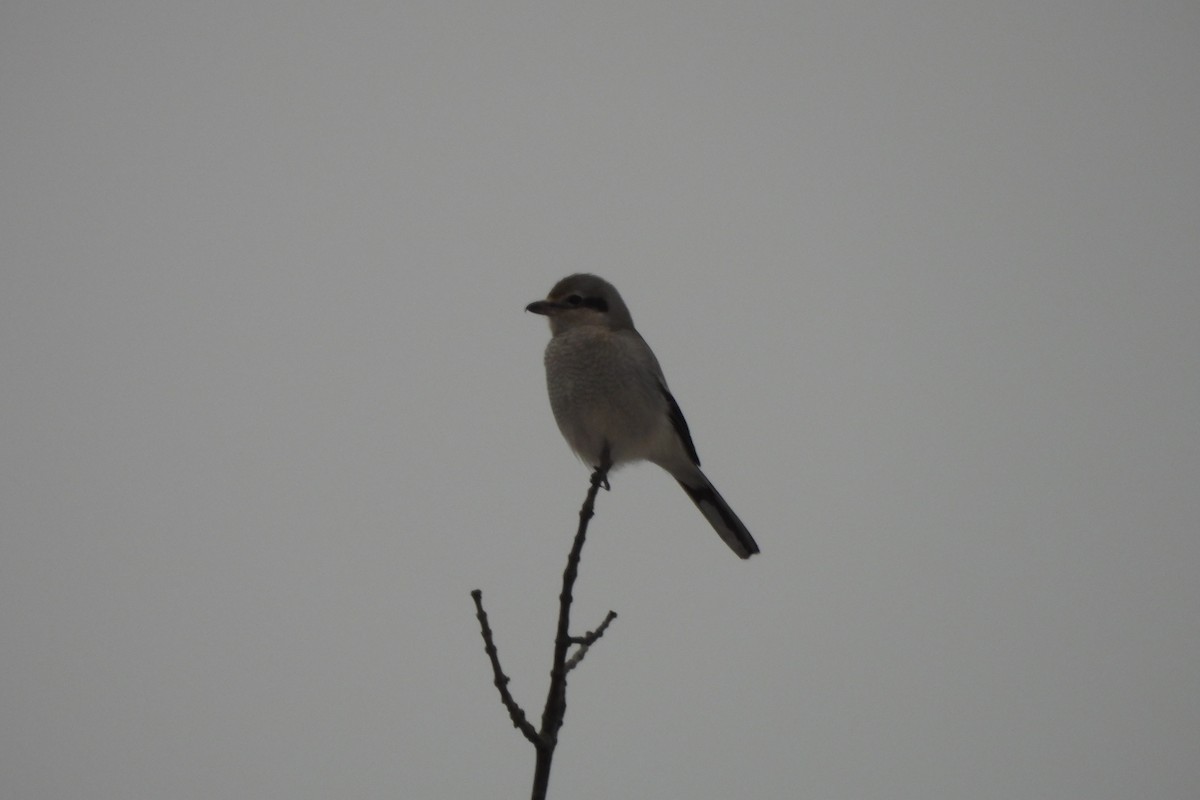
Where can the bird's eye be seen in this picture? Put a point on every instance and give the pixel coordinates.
(574, 300)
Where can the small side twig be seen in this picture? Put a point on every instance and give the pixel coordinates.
(587, 640)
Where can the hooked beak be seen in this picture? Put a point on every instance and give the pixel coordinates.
(546, 308)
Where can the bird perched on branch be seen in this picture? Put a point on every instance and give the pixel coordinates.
(611, 401)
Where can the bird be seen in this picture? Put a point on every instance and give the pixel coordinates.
(611, 401)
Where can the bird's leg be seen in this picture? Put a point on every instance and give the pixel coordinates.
(603, 467)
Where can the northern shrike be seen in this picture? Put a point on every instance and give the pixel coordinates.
(609, 396)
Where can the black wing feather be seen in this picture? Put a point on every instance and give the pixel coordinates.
(679, 423)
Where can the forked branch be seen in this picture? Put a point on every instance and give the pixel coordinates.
(545, 739)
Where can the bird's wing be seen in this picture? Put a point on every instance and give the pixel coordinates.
(679, 423)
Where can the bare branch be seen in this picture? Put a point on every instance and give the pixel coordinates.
(545, 740)
(556, 698)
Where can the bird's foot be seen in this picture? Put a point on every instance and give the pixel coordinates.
(600, 477)
(601, 473)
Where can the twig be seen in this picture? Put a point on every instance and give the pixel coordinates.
(587, 640)
(515, 713)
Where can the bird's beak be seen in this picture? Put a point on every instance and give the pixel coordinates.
(546, 308)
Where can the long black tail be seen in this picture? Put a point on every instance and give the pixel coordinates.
(721, 517)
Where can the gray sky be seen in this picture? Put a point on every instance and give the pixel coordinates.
(923, 277)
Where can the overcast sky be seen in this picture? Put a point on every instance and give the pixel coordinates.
(924, 278)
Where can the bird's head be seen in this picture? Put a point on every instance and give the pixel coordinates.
(579, 300)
